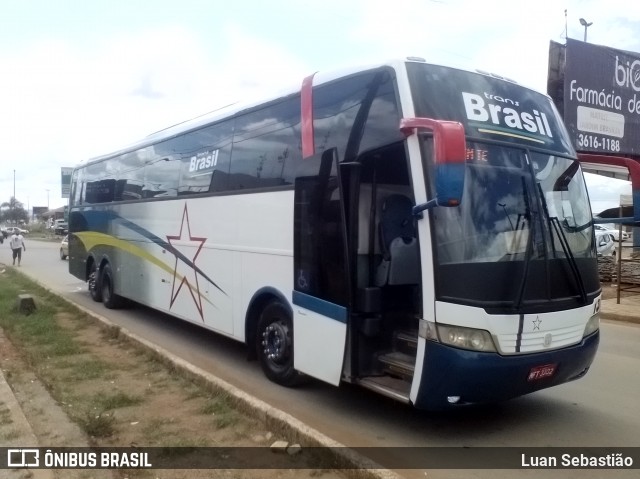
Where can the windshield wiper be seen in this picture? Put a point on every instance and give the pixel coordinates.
(529, 250)
(564, 243)
(572, 260)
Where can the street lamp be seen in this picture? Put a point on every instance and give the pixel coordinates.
(47, 200)
(586, 25)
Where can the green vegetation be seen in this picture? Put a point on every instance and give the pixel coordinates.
(13, 211)
(116, 400)
(104, 389)
(97, 425)
(116, 391)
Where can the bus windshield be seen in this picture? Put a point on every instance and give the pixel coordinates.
(503, 207)
(522, 236)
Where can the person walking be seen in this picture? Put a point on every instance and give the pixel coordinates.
(17, 245)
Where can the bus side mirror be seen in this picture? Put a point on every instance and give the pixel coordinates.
(450, 151)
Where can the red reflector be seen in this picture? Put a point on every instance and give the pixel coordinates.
(541, 372)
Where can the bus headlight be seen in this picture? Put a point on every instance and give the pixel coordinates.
(592, 325)
(457, 336)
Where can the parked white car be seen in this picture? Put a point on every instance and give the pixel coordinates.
(614, 232)
(64, 248)
(605, 244)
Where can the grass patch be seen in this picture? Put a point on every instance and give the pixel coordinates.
(5, 415)
(98, 425)
(89, 369)
(39, 334)
(116, 400)
(154, 431)
(221, 409)
(227, 420)
(111, 333)
(216, 406)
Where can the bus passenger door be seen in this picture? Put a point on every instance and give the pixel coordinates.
(321, 271)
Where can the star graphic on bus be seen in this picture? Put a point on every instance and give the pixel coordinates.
(183, 246)
(536, 323)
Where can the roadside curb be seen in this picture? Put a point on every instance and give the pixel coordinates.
(625, 318)
(349, 462)
(627, 312)
(20, 427)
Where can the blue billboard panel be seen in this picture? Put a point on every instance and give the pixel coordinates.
(598, 91)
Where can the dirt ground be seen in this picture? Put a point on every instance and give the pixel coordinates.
(127, 397)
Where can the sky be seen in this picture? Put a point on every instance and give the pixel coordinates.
(82, 78)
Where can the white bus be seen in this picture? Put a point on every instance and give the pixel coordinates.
(419, 230)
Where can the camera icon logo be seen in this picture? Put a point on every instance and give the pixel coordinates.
(23, 458)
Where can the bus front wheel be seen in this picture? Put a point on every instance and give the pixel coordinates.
(92, 283)
(110, 299)
(274, 345)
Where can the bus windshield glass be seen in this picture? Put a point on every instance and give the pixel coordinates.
(502, 207)
(522, 235)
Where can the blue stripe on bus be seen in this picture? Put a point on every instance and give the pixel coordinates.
(320, 306)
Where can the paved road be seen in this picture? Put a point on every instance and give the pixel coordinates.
(599, 410)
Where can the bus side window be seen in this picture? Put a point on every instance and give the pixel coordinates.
(266, 146)
(205, 156)
(337, 104)
(161, 178)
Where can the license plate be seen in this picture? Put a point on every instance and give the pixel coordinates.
(541, 372)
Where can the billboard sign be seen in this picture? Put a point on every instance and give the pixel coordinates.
(65, 181)
(598, 90)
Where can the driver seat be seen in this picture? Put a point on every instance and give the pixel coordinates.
(400, 256)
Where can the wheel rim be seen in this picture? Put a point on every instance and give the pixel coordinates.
(92, 279)
(276, 343)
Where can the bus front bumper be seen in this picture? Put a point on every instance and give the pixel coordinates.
(489, 377)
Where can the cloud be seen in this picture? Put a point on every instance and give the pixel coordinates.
(70, 102)
(68, 94)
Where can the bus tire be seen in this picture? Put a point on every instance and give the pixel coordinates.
(110, 299)
(93, 283)
(274, 345)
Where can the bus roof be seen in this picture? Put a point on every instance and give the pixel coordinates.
(221, 113)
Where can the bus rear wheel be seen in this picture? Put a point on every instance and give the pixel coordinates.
(92, 283)
(110, 299)
(274, 345)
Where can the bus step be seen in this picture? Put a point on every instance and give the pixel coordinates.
(406, 341)
(398, 364)
(394, 388)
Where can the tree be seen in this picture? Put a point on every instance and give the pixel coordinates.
(13, 211)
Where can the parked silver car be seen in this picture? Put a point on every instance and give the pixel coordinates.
(605, 244)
